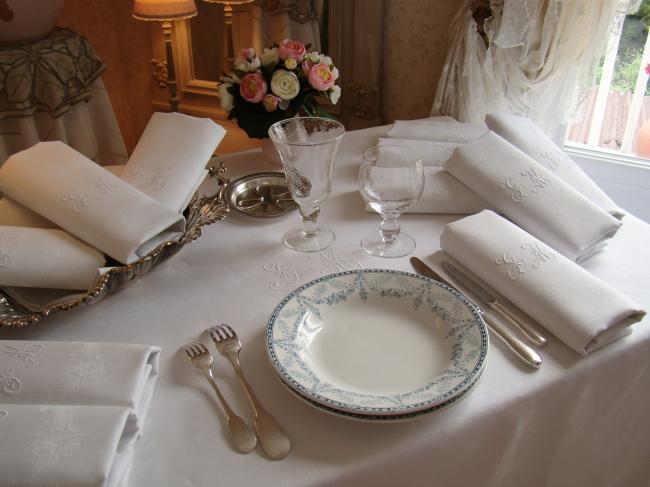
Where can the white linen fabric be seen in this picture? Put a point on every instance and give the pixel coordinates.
(534, 56)
(169, 161)
(437, 130)
(581, 310)
(524, 134)
(46, 258)
(532, 197)
(577, 421)
(442, 193)
(57, 445)
(88, 201)
(14, 214)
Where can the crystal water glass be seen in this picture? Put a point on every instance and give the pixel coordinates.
(391, 181)
(307, 147)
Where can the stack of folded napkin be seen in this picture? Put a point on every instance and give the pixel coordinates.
(70, 413)
(62, 213)
(578, 308)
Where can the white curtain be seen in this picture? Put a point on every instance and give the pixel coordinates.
(533, 58)
(276, 20)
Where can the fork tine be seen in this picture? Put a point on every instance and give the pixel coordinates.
(213, 333)
(188, 351)
(229, 330)
(201, 347)
(222, 334)
(195, 349)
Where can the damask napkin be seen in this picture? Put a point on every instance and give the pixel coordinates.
(46, 258)
(442, 192)
(83, 198)
(169, 161)
(63, 445)
(532, 197)
(578, 308)
(524, 134)
(79, 373)
(437, 130)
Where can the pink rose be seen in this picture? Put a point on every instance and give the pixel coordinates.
(253, 87)
(320, 77)
(245, 55)
(291, 49)
(270, 103)
(306, 67)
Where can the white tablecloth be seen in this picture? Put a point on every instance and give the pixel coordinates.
(578, 421)
(89, 127)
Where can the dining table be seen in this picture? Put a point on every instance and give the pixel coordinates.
(575, 421)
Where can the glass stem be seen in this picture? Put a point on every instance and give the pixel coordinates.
(309, 216)
(388, 229)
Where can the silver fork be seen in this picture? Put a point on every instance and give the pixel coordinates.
(242, 436)
(274, 441)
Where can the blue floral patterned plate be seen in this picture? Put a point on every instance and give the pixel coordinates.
(377, 342)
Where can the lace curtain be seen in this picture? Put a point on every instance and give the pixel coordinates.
(275, 20)
(524, 56)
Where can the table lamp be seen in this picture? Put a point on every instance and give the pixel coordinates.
(227, 12)
(165, 11)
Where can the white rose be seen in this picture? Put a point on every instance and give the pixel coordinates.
(249, 67)
(334, 93)
(270, 56)
(285, 84)
(335, 73)
(227, 100)
(326, 60)
(313, 57)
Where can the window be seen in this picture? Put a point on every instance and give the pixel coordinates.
(613, 116)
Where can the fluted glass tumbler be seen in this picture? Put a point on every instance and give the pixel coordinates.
(307, 147)
(390, 180)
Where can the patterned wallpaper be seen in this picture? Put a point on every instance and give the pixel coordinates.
(415, 47)
(125, 46)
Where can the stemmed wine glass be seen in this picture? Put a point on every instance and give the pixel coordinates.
(390, 180)
(307, 147)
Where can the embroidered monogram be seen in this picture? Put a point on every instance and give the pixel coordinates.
(103, 188)
(25, 353)
(5, 259)
(285, 273)
(539, 255)
(552, 158)
(455, 138)
(538, 181)
(9, 383)
(84, 365)
(334, 263)
(519, 191)
(79, 200)
(515, 265)
(161, 177)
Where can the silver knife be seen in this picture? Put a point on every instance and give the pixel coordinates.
(523, 351)
(470, 283)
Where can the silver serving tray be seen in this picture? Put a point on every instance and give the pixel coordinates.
(201, 211)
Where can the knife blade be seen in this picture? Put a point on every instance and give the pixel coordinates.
(470, 282)
(526, 353)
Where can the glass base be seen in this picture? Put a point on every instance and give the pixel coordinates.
(374, 245)
(317, 241)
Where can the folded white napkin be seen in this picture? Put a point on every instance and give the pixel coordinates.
(46, 258)
(442, 193)
(532, 197)
(88, 201)
(524, 134)
(62, 445)
(437, 130)
(80, 373)
(578, 308)
(169, 161)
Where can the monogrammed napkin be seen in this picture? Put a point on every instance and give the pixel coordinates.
(578, 308)
(62, 445)
(88, 201)
(524, 134)
(531, 196)
(70, 412)
(46, 258)
(437, 130)
(442, 193)
(169, 161)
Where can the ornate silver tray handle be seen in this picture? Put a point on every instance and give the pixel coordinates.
(201, 211)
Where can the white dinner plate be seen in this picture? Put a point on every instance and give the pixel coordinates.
(377, 342)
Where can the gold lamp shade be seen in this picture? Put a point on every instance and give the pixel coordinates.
(163, 9)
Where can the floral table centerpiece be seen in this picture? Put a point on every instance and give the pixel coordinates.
(283, 82)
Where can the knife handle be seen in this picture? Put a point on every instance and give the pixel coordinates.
(535, 337)
(523, 351)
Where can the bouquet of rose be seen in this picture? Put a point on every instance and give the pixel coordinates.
(282, 82)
